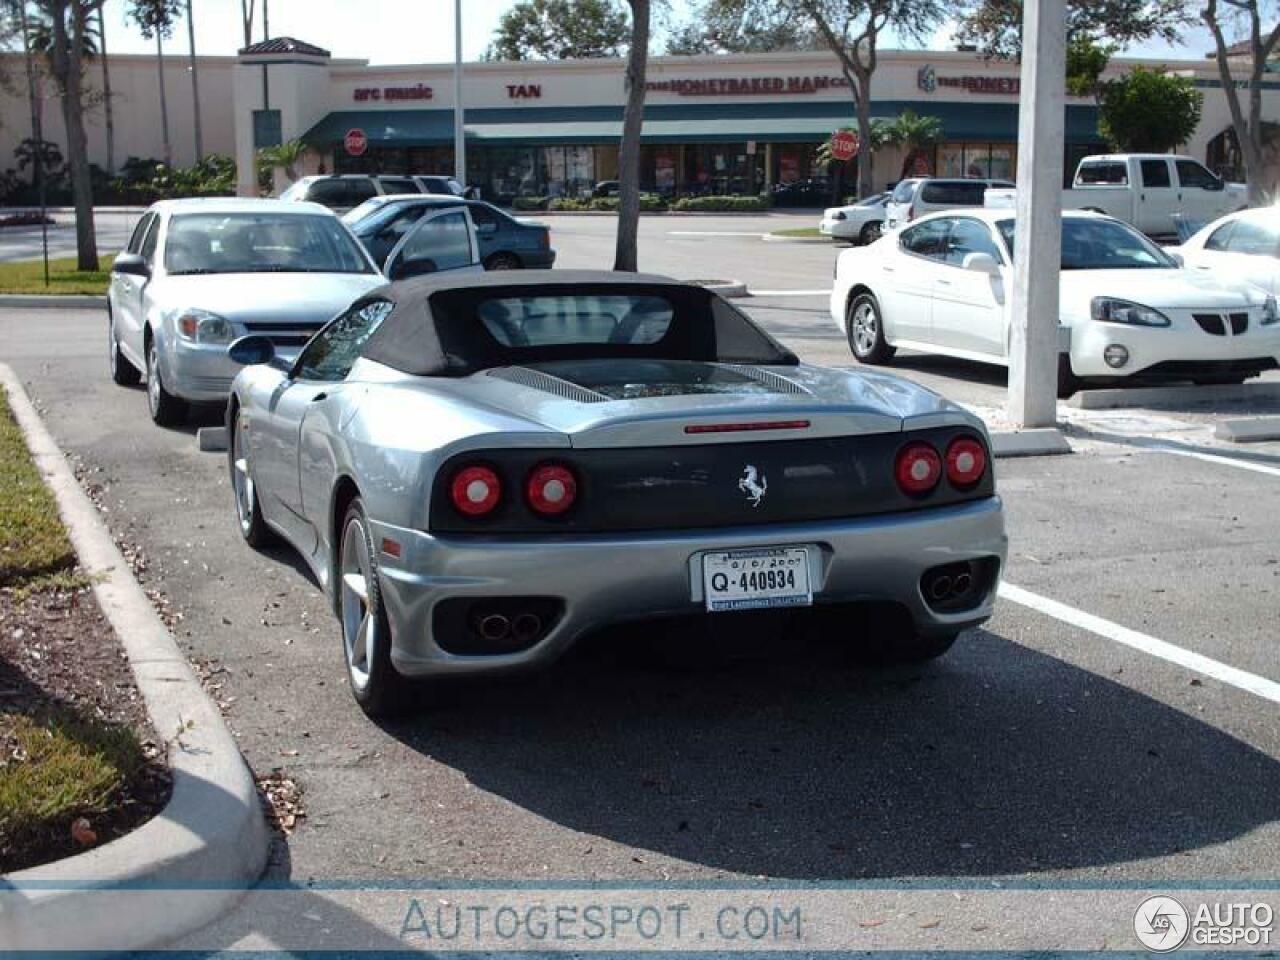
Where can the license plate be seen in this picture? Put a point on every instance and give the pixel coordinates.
(751, 579)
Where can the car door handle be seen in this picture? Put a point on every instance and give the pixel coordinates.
(888, 269)
(943, 283)
(318, 397)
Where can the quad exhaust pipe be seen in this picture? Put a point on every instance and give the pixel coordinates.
(495, 627)
(949, 584)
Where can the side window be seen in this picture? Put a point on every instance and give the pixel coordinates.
(402, 223)
(328, 192)
(903, 191)
(148, 250)
(335, 349)
(399, 185)
(139, 232)
(360, 189)
(928, 239)
(1191, 174)
(1103, 172)
(1155, 173)
(969, 236)
(1252, 238)
(484, 218)
(442, 242)
(1219, 239)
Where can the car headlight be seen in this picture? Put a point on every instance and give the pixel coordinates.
(1270, 311)
(201, 326)
(1111, 310)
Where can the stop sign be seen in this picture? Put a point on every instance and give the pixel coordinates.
(844, 145)
(356, 142)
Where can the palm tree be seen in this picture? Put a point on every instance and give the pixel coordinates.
(625, 253)
(106, 95)
(286, 157)
(913, 133)
(155, 19)
(195, 84)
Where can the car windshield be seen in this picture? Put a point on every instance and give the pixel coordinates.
(356, 214)
(1089, 244)
(260, 243)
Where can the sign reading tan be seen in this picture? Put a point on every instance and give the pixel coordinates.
(744, 86)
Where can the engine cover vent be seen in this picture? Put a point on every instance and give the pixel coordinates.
(547, 384)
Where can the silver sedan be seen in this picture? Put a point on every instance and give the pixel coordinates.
(197, 274)
(480, 470)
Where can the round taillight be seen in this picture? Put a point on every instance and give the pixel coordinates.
(475, 491)
(919, 468)
(551, 489)
(966, 462)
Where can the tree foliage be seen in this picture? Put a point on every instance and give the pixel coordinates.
(560, 30)
(995, 26)
(1086, 61)
(730, 26)
(1148, 111)
(155, 16)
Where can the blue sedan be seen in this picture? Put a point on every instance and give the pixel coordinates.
(506, 243)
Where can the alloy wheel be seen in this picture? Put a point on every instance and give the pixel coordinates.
(242, 480)
(866, 326)
(359, 619)
(153, 377)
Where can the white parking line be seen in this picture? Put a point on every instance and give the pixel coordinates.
(1215, 458)
(1241, 679)
(790, 293)
(715, 233)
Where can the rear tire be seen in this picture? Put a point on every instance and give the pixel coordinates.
(123, 373)
(166, 409)
(366, 631)
(865, 328)
(503, 261)
(1068, 382)
(870, 232)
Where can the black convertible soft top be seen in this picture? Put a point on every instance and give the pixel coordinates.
(434, 328)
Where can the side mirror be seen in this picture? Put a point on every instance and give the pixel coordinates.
(403, 269)
(981, 263)
(1177, 257)
(132, 264)
(252, 350)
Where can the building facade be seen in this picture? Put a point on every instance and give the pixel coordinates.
(715, 124)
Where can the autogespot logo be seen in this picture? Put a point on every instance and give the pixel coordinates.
(1161, 923)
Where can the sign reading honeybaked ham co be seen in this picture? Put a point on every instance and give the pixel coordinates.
(743, 86)
(929, 80)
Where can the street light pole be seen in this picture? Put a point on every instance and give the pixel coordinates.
(459, 132)
(1033, 339)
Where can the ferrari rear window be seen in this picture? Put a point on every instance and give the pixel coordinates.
(627, 319)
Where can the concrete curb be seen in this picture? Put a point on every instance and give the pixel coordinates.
(729, 289)
(1040, 442)
(1175, 396)
(774, 238)
(1251, 430)
(211, 837)
(51, 301)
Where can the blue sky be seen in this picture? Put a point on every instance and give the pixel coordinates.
(402, 31)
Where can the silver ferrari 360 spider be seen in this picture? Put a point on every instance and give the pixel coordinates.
(482, 469)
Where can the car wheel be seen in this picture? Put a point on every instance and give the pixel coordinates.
(870, 232)
(166, 409)
(123, 372)
(366, 631)
(253, 526)
(1068, 382)
(866, 330)
(502, 261)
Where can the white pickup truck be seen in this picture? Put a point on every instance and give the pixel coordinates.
(1147, 190)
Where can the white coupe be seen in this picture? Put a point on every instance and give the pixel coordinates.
(1242, 246)
(1129, 311)
(862, 221)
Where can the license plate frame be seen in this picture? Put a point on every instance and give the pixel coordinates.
(737, 591)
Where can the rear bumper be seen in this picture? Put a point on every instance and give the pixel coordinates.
(538, 259)
(601, 580)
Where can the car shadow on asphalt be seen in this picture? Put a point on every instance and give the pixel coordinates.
(970, 371)
(994, 760)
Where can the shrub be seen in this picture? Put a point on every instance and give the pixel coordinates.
(568, 204)
(720, 204)
(529, 203)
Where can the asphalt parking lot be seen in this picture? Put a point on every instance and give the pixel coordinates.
(1047, 746)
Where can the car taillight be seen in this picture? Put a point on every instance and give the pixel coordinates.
(911, 213)
(551, 489)
(475, 491)
(546, 239)
(966, 462)
(919, 468)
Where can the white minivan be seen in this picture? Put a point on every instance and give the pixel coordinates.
(917, 196)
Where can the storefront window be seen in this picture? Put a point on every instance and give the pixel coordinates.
(987, 160)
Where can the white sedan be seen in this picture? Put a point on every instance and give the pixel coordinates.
(1129, 311)
(1243, 246)
(862, 221)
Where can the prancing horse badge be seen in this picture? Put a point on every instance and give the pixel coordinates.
(754, 484)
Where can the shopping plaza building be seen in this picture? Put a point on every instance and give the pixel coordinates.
(713, 124)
